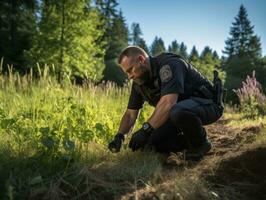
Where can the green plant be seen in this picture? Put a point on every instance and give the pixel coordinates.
(251, 97)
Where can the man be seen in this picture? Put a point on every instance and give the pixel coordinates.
(183, 99)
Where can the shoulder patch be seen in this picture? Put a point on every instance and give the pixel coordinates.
(166, 73)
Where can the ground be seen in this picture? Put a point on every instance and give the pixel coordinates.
(233, 169)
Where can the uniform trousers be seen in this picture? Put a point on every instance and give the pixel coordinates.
(184, 128)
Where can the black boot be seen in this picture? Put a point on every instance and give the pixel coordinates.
(197, 153)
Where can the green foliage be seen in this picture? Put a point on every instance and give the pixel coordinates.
(115, 38)
(143, 45)
(18, 25)
(118, 40)
(136, 38)
(174, 47)
(53, 118)
(215, 56)
(207, 68)
(243, 50)
(207, 62)
(48, 130)
(237, 69)
(67, 36)
(180, 49)
(206, 54)
(135, 34)
(157, 46)
(261, 72)
(194, 55)
(118, 37)
(183, 50)
(251, 97)
(242, 42)
(250, 108)
(114, 73)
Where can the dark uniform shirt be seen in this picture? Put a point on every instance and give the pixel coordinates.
(170, 75)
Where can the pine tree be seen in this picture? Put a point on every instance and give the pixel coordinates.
(206, 54)
(136, 34)
(180, 49)
(243, 41)
(119, 37)
(114, 43)
(17, 27)
(215, 55)
(183, 50)
(119, 32)
(143, 45)
(136, 37)
(107, 9)
(157, 46)
(205, 63)
(242, 50)
(108, 14)
(194, 55)
(174, 47)
(67, 38)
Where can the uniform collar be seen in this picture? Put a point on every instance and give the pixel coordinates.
(153, 68)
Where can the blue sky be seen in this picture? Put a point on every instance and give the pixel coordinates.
(195, 22)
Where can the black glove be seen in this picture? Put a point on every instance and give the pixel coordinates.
(139, 139)
(116, 144)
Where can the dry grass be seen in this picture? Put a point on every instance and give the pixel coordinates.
(234, 169)
(95, 173)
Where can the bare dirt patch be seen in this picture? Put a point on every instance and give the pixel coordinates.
(233, 169)
(244, 172)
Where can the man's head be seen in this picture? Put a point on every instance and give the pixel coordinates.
(135, 63)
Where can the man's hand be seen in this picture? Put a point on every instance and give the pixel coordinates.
(116, 144)
(139, 139)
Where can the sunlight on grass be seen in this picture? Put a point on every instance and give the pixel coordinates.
(54, 140)
(238, 120)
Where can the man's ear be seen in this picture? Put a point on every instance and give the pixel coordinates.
(141, 58)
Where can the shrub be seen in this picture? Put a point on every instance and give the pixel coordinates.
(251, 97)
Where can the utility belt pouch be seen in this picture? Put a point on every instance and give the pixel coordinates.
(204, 92)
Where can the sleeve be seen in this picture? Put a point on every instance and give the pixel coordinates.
(136, 101)
(172, 75)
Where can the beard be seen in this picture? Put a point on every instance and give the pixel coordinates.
(144, 77)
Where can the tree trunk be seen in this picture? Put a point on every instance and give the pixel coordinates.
(61, 70)
(13, 29)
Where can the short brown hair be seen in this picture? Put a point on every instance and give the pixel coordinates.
(131, 51)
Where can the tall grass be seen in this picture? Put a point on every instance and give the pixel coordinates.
(51, 133)
(53, 139)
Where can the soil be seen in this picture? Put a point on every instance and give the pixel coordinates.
(235, 168)
(240, 165)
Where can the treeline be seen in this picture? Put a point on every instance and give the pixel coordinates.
(81, 40)
(75, 38)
